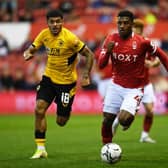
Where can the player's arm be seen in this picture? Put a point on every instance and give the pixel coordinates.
(105, 53)
(163, 57)
(157, 52)
(28, 54)
(37, 43)
(152, 63)
(88, 66)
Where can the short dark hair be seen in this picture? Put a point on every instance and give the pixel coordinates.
(54, 13)
(126, 13)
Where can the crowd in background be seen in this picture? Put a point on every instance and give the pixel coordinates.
(101, 10)
(15, 74)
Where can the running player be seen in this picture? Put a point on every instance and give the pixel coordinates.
(148, 97)
(127, 52)
(58, 83)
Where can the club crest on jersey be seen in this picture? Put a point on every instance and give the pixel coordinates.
(60, 42)
(46, 39)
(116, 44)
(134, 45)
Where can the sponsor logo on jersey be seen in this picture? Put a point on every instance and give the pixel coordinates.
(125, 57)
(60, 42)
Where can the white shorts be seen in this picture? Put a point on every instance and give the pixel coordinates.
(102, 86)
(149, 96)
(118, 98)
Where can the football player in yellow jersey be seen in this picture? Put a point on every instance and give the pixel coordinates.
(58, 83)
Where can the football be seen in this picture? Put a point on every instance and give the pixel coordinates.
(111, 153)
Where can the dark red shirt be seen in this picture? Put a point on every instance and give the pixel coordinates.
(128, 56)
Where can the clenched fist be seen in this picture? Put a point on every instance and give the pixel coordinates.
(110, 46)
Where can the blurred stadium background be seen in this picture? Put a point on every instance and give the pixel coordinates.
(91, 20)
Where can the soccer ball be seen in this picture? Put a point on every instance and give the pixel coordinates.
(111, 153)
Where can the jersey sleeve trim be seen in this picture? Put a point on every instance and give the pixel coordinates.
(82, 48)
(154, 50)
(33, 45)
(72, 59)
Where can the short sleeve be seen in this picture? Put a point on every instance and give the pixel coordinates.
(151, 46)
(38, 42)
(76, 44)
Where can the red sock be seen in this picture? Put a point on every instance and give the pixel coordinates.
(147, 123)
(106, 133)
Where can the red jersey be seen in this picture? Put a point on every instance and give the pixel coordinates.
(128, 56)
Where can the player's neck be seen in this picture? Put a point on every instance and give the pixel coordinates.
(126, 36)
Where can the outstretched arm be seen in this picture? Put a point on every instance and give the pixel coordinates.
(88, 66)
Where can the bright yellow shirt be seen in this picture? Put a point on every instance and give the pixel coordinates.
(62, 51)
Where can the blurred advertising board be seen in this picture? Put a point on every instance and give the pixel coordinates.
(86, 102)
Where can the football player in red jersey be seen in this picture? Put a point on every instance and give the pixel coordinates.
(127, 52)
(148, 97)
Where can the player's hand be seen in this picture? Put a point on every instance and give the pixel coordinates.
(110, 46)
(148, 63)
(27, 55)
(85, 81)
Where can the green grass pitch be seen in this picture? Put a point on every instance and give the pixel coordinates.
(78, 144)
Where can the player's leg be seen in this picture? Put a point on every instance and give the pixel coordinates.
(64, 101)
(147, 123)
(62, 120)
(125, 118)
(45, 96)
(111, 107)
(130, 104)
(148, 118)
(106, 130)
(115, 125)
(40, 129)
(148, 102)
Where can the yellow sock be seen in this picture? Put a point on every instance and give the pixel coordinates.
(40, 143)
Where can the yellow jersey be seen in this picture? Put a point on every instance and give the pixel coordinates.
(62, 51)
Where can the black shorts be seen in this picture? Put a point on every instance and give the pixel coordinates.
(62, 95)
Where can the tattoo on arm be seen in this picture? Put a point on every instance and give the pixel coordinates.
(88, 54)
